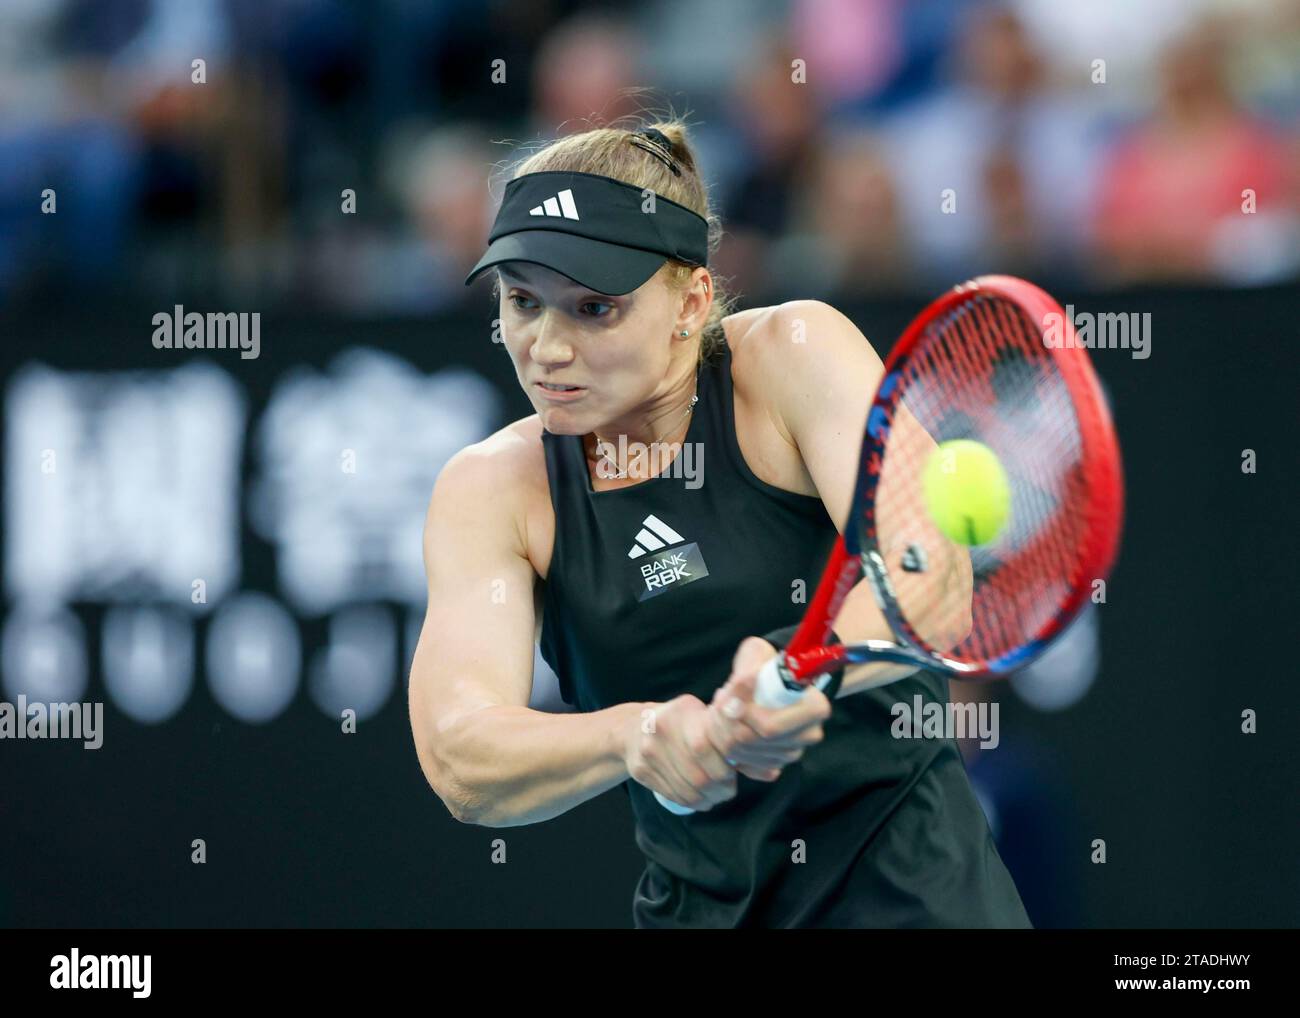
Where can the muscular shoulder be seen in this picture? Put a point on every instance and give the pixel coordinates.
(494, 481)
(504, 459)
(788, 357)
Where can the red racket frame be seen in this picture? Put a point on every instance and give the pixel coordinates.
(807, 654)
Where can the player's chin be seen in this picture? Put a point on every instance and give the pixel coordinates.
(564, 420)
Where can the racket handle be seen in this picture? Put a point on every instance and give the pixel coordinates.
(770, 690)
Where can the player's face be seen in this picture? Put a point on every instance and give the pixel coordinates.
(614, 349)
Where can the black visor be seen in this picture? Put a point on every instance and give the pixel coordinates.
(598, 231)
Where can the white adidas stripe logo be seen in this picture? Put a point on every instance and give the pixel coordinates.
(655, 534)
(561, 206)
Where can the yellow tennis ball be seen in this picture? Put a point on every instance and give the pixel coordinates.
(967, 492)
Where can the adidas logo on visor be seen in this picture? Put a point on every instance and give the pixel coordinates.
(655, 534)
(561, 206)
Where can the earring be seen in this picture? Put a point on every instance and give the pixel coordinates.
(685, 333)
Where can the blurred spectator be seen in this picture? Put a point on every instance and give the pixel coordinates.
(995, 172)
(860, 58)
(777, 124)
(1173, 202)
(437, 179)
(702, 46)
(881, 54)
(1128, 37)
(848, 238)
(583, 67)
(1265, 64)
(58, 132)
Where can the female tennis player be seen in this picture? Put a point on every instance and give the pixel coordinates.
(676, 494)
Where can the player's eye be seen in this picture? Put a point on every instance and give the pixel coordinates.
(597, 304)
(518, 297)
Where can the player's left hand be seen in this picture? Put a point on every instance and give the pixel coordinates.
(760, 741)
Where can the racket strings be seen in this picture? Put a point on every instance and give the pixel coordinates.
(982, 372)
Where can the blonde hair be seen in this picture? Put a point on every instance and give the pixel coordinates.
(609, 152)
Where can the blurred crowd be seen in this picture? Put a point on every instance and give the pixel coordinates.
(1104, 143)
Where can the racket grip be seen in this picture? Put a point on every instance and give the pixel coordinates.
(770, 690)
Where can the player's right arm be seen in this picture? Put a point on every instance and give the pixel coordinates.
(491, 759)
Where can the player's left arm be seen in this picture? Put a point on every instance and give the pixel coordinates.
(821, 373)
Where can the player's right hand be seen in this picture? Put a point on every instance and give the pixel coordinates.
(669, 751)
(762, 740)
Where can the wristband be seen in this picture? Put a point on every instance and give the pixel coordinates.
(780, 639)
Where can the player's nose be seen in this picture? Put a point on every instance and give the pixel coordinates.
(550, 345)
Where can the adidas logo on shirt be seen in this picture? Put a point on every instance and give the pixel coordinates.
(655, 534)
(561, 206)
(671, 563)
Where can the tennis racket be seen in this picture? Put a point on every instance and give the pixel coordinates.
(986, 362)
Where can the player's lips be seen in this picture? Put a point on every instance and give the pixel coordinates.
(559, 393)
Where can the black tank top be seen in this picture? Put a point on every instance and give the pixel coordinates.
(651, 587)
